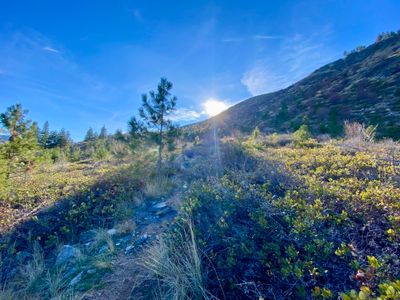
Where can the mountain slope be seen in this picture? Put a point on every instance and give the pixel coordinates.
(364, 86)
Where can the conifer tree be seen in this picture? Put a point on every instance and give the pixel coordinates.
(64, 139)
(103, 132)
(155, 110)
(19, 151)
(44, 135)
(90, 135)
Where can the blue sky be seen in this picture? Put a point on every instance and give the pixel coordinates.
(81, 64)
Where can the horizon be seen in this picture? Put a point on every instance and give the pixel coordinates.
(87, 68)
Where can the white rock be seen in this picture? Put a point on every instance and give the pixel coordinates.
(160, 205)
(112, 231)
(76, 279)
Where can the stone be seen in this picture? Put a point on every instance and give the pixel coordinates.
(66, 254)
(164, 211)
(140, 241)
(160, 205)
(76, 279)
(112, 231)
(129, 249)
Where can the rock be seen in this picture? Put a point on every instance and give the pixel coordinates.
(124, 240)
(112, 231)
(140, 241)
(160, 205)
(164, 211)
(87, 236)
(76, 279)
(129, 249)
(66, 254)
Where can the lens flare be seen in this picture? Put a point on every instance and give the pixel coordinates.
(214, 107)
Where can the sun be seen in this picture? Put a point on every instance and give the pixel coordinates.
(214, 107)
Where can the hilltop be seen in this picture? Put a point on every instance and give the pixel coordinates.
(364, 86)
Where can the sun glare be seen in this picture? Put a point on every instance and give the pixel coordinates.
(213, 107)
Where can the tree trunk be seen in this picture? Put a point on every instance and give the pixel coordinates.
(160, 148)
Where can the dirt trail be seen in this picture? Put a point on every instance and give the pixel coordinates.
(151, 222)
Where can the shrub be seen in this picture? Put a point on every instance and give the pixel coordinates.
(357, 131)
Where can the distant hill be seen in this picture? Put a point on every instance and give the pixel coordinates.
(364, 86)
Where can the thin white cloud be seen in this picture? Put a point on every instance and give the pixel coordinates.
(184, 115)
(298, 56)
(259, 80)
(265, 37)
(51, 49)
(251, 37)
(231, 40)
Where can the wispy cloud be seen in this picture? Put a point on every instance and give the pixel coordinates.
(265, 37)
(231, 40)
(51, 49)
(259, 80)
(251, 37)
(298, 56)
(185, 115)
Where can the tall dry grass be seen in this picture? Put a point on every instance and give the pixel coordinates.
(175, 268)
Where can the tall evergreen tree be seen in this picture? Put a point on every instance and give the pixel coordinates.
(103, 132)
(19, 151)
(13, 120)
(44, 135)
(155, 110)
(64, 139)
(119, 135)
(90, 135)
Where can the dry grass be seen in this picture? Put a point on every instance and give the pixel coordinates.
(127, 226)
(33, 270)
(7, 294)
(104, 238)
(158, 186)
(55, 283)
(175, 268)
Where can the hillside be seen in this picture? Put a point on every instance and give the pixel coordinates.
(364, 86)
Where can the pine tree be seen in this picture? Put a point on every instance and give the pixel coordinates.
(63, 139)
(136, 129)
(155, 110)
(44, 135)
(19, 151)
(103, 132)
(90, 135)
(119, 135)
(13, 120)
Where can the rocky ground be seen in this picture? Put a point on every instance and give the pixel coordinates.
(151, 222)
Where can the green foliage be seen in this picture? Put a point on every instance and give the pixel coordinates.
(155, 110)
(302, 135)
(306, 234)
(90, 135)
(19, 152)
(103, 132)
